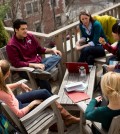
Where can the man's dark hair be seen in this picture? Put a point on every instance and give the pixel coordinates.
(116, 28)
(18, 22)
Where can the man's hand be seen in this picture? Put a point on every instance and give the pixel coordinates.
(57, 52)
(102, 41)
(37, 66)
(52, 51)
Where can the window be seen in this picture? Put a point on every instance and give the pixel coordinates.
(54, 3)
(32, 7)
(58, 21)
(37, 27)
(8, 15)
(35, 6)
(67, 2)
(29, 8)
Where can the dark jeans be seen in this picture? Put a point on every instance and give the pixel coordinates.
(25, 98)
(88, 54)
(43, 84)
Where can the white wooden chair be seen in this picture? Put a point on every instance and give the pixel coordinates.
(85, 125)
(39, 119)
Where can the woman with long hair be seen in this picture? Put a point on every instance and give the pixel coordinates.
(89, 46)
(23, 103)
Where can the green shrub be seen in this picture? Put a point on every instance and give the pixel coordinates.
(4, 36)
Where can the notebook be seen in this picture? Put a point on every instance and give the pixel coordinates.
(77, 96)
(73, 67)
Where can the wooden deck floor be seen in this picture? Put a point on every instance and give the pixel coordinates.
(73, 129)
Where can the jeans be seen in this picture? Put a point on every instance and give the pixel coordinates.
(25, 98)
(51, 62)
(88, 54)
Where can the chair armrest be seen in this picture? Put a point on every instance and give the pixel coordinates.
(98, 126)
(40, 107)
(82, 106)
(27, 69)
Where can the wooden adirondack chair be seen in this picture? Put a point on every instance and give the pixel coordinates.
(85, 125)
(39, 119)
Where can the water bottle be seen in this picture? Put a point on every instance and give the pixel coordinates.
(82, 72)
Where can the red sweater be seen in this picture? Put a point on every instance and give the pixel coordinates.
(22, 52)
(112, 50)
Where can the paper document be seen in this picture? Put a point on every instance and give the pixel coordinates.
(77, 86)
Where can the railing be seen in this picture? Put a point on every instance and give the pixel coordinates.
(67, 46)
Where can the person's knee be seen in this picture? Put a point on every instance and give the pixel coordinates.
(58, 57)
(85, 50)
(46, 93)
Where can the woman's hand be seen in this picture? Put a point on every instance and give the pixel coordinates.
(78, 47)
(25, 87)
(34, 103)
(110, 67)
(102, 41)
(99, 98)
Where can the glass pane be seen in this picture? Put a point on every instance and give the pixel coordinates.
(28, 8)
(37, 27)
(35, 6)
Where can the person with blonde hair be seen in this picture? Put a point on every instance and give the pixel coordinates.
(89, 46)
(23, 103)
(110, 84)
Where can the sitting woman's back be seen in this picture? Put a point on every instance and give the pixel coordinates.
(110, 85)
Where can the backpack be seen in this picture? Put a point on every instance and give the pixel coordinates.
(6, 127)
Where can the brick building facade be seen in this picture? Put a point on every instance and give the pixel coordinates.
(30, 10)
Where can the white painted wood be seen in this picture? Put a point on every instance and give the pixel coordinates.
(74, 77)
(39, 119)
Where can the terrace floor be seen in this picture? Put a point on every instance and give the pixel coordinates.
(73, 129)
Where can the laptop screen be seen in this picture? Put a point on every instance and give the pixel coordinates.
(73, 67)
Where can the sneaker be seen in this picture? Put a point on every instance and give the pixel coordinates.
(104, 67)
(42, 75)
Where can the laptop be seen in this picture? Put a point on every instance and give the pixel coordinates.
(73, 67)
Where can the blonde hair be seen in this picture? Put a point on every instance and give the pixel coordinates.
(4, 68)
(110, 85)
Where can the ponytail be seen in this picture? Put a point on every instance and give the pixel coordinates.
(110, 84)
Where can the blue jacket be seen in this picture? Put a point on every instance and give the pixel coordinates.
(96, 32)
